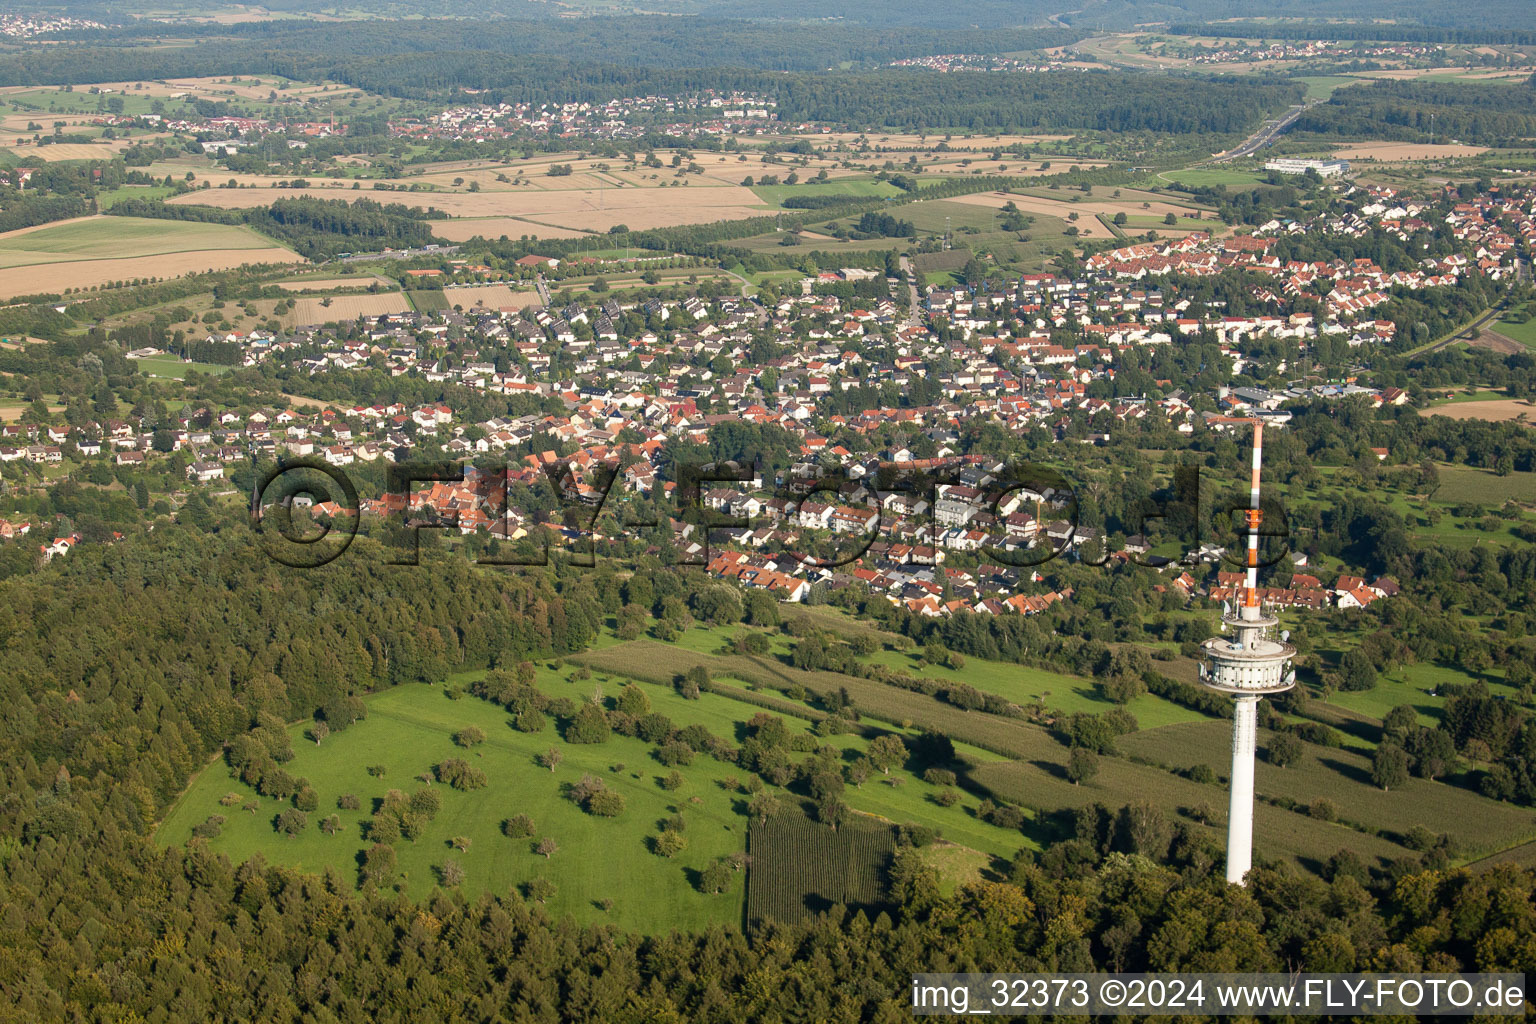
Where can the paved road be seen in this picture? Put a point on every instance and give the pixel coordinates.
(1470, 331)
(914, 317)
(1266, 134)
(745, 284)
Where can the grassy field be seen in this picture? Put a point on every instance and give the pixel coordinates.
(427, 300)
(1029, 763)
(1211, 176)
(1320, 87)
(106, 200)
(173, 367)
(1524, 333)
(409, 729)
(860, 188)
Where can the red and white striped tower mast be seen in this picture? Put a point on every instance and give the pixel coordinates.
(1246, 667)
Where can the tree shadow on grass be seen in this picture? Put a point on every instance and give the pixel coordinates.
(1351, 772)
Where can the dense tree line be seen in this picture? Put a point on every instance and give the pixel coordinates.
(1103, 101)
(29, 211)
(883, 225)
(313, 227)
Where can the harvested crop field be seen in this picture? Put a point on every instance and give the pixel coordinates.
(346, 307)
(463, 229)
(70, 150)
(1495, 410)
(491, 296)
(1389, 151)
(89, 251)
(574, 210)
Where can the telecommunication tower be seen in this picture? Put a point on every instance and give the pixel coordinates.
(1247, 664)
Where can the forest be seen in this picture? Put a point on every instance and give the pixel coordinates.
(631, 41)
(604, 60)
(1481, 113)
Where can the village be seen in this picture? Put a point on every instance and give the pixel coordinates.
(1034, 355)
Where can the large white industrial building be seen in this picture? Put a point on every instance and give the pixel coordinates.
(1325, 168)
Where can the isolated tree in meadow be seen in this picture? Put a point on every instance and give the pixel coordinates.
(452, 873)
(426, 803)
(886, 752)
(672, 780)
(550, 758)
(210, 828)
(546, 847)
(540, 890)
(670, 843)
(605, 804)
(715, 878)
(331, 825)
(461, 843)
(1082, 765)
(469, 736)
(384, 828)
(291, 822)
(675, 752)
(589, 726)
(519, 826)
(1389, 766)
(1283, 749)
(460, 774)
(319, 731)
(764, 806)
(633, 701)
(1356, 671)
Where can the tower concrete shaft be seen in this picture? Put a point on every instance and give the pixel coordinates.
(1245, 727)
